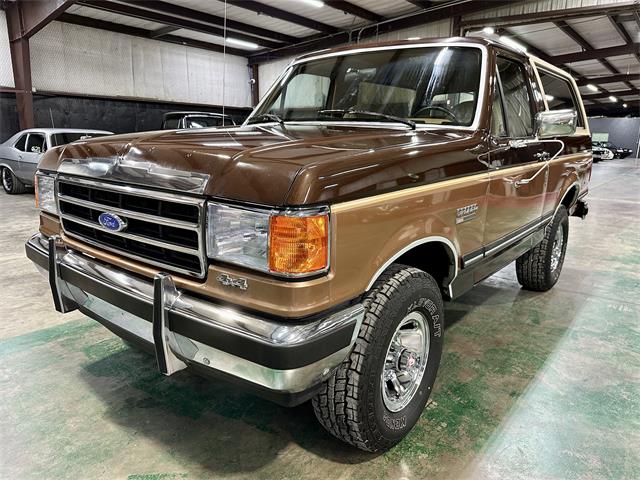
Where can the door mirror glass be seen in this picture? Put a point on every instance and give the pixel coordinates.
(556, 123)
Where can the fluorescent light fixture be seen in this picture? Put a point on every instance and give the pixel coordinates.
(513, 44)
(241, 43)
(489, 30)
(592, 87)
(549, 97)
(613, 99)
(313, 3)
(624, 105)
(413, 38)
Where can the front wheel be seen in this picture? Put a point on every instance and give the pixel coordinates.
(379, 391)
(539, 269)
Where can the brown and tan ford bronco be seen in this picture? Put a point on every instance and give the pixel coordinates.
(306, 253)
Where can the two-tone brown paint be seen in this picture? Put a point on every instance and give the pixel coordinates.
(390, 188)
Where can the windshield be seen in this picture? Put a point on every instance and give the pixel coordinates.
(205, 121)
(64, 138)
(428, 85)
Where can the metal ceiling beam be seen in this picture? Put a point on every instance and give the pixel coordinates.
(597, 53)
(551, 15)
(439, 11)
(618, 94)
(264, 9)
(352, 9)
(622, 31)
(163, 31)
(623, 77)
(580, 40)
(131, 11)
(33, 16)
(421, 3)
(144, 33)
(209, 19)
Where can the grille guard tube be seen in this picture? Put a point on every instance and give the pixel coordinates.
(280, 356)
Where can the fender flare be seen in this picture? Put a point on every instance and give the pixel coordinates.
(416, 243)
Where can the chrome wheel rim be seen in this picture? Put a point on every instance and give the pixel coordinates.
(7, 181)
(556, 250)
(405, 361)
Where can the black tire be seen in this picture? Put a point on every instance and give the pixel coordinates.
(351, 405)
(10, 183)
(535, 269)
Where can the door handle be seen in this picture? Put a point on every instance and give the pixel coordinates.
(526, 181)
(542, 156)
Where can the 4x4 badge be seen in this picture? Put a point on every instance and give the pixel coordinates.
(229, 281)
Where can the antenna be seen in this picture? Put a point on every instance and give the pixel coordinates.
(53, 125)
(224, 60)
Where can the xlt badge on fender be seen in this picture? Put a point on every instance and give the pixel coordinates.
(466, 213)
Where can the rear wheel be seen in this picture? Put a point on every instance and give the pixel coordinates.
(10, 183)
(379, 392)
(539, 269)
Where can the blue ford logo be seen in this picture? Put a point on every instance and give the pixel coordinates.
(112, 222)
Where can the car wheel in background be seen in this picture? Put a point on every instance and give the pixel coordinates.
(10, 182)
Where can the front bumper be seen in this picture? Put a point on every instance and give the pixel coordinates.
(281, 359)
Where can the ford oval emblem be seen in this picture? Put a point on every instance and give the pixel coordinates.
(112, 222)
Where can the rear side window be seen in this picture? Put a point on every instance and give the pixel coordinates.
(516, 97)
(21, 144)
(36, 143)
(559, 93)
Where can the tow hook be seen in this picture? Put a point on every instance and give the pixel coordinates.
(581, 210)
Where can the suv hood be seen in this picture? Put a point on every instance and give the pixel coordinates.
(274, 165)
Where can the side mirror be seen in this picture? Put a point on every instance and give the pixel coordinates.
(36, 149)
(556, 123)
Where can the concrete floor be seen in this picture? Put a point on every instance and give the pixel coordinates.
(537, 386)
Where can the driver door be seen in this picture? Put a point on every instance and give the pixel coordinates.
(518, 171)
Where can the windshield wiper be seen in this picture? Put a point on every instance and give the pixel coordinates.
(393, 118)
(267, 117)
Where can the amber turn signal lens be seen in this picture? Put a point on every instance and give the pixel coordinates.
(298, 245)
(35, 184)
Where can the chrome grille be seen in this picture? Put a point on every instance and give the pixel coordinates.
(163, 229)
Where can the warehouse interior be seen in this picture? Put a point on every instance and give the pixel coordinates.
(530, 385)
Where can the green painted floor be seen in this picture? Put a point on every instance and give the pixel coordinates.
(535, 386)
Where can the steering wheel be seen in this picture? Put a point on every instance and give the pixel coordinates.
(449, 113)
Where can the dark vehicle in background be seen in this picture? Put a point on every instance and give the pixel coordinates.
(601, 153)
(178, 120)
(20, 154)
(617, 152)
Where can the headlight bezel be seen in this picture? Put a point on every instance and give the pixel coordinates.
(269, 213)
(46, 201)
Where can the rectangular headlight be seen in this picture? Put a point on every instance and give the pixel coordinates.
(238, 235)
(45, 193)
(288, 243)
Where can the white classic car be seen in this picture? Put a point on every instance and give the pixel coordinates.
(19, 156)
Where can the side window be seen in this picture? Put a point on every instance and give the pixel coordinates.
(36, 143)
(559, 93)
(516, 97)
(21, 144)
(497, 114)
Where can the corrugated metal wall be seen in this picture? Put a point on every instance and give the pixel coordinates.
(6, 72)
(71, 58)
